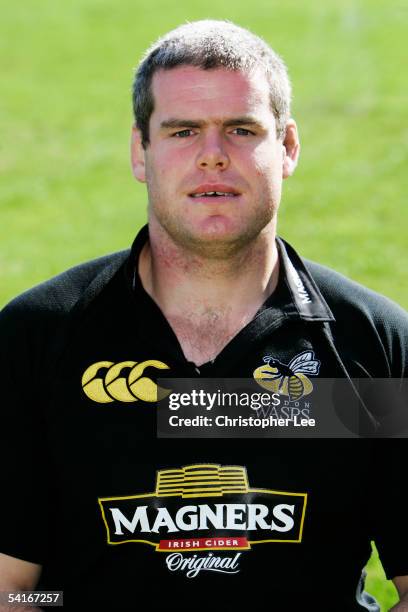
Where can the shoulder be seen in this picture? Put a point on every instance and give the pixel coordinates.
(60, 294)
(37, 325)
(346, 297)
(371, 323)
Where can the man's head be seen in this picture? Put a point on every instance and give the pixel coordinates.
(211, 44)
(213, 138)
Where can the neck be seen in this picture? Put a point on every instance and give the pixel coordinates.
(240, 278)
(208, 300)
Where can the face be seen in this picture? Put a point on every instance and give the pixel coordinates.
(214, 166)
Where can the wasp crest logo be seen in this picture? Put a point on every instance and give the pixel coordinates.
(106, 381)
(288, 379)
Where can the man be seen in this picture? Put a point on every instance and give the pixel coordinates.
(94, 497)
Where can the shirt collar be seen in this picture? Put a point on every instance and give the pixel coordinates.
(306, 296)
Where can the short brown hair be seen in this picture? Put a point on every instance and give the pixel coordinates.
(210, 44)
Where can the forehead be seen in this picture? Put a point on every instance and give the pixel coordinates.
(188, 91)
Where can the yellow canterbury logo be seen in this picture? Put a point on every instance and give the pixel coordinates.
(115, 385)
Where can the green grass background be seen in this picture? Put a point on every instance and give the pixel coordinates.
(66, 190)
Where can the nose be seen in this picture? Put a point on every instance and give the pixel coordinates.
(212, 154)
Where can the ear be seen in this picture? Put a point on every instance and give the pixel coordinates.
(291, 149)
(137, 155)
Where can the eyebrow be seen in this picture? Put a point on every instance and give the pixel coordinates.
(198, 123)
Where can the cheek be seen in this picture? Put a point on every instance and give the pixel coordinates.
(170, 165)
(267, 166)
(156, 169)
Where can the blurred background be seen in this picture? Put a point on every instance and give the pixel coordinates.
(67, 193)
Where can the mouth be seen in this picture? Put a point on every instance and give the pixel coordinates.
(213, 195)
(214, 192)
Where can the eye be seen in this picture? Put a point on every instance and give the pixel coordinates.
(183, 133)
(242, 132)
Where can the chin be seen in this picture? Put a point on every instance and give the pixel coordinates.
(218, 226)
(220, 237)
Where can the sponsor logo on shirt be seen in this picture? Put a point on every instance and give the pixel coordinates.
(105, 381)
(204, 507)
(288, 379)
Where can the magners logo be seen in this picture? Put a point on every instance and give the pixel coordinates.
(204, 507)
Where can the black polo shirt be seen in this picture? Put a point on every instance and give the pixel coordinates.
(116, 514)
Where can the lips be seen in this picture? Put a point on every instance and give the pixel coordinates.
(214, 191)
(212, 194)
